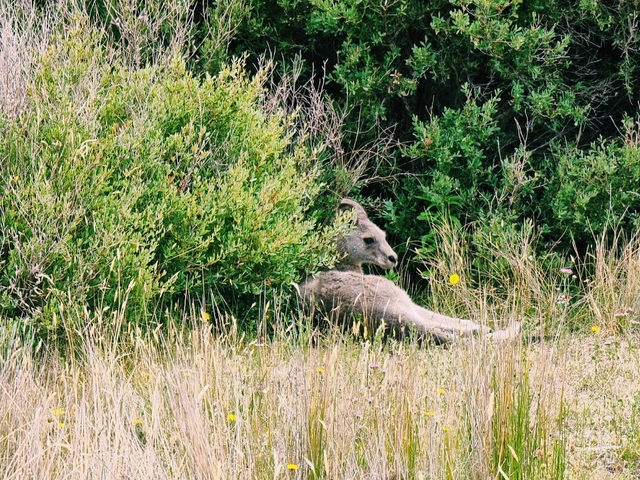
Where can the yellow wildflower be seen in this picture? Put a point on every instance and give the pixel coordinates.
(205, 316)
(137, 422)
(232, 417)
(595, 329)
(320, 370)
(292, 466)
(429, 414)
(441, 391)
(446, 429)
(454, 278)
(58, 412)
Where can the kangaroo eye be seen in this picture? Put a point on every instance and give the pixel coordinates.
(369, 240)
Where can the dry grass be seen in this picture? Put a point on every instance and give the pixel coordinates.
(602, 393)
(23, 37)
(186, 401)
(191, 404)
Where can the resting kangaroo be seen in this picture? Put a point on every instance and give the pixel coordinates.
(347, 290)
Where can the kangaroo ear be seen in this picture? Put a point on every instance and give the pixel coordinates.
(346, 203)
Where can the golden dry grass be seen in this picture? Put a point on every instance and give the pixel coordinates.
(192, 404)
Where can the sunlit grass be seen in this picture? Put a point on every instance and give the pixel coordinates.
(187, 403)
(195, 398)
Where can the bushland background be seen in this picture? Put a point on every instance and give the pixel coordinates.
(169, 168)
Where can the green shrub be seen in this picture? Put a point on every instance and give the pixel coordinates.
(555, 74)
(152, 184)
(456, 171)
(594, 189)
(145, 187)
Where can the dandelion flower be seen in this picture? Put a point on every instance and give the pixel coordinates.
(205, 316)
(58, 412)
(320, 370)
(232, 417)
(441, 391)
(292, 466)
(595, 329)
(137, 422)
(454, 278)
(61, 424)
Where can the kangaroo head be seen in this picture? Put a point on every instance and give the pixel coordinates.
(366, 242)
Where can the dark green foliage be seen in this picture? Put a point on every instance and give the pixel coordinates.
(500, 102)
(597, 188)
(453, 170)
(514, 95)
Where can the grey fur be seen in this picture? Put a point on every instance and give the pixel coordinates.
(347, 290)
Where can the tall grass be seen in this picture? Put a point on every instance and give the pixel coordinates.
(183, 402)
(506, 279)
(613, 286)
(194, 398)
(197, 399)
(24, 34)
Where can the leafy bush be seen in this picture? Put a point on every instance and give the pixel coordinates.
(488, 114)
(139, 187)
(548, 78)
(596, 188)
(451, 154)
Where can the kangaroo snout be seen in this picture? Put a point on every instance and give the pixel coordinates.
(387, 258)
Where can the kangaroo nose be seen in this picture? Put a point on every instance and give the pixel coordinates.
(393, 259)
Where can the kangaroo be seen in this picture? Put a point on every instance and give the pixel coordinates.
(346, 290)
